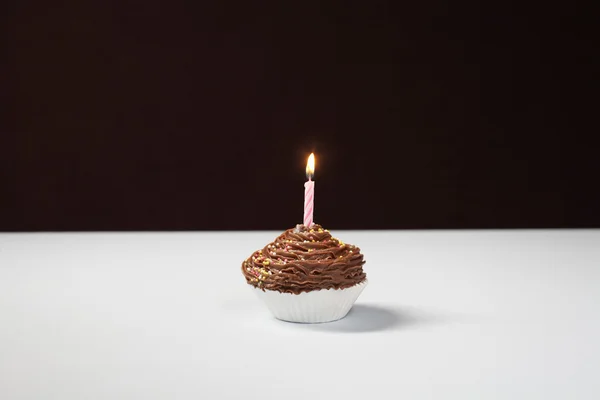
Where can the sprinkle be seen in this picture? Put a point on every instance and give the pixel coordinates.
(266, 262)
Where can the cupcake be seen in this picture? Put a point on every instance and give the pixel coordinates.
(306, 275)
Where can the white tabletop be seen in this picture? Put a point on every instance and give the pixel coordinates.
(446, 315)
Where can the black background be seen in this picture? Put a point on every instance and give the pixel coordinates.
(200, 115)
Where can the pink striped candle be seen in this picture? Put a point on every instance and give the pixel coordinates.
(309, 192)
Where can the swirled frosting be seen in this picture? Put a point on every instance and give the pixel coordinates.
(303, 260)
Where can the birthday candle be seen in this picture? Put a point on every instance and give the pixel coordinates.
(309, 192)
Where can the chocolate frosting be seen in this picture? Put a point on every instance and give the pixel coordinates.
(303, 260)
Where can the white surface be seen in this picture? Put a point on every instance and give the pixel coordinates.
(446, 315)
(311, 307)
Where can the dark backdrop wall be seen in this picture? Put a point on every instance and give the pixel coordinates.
(150, 116)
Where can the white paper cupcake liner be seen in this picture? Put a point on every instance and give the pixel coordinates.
(312, 307)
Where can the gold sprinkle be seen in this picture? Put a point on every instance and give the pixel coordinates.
(266, 262)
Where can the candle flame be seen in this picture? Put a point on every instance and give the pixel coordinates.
(310, 166)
